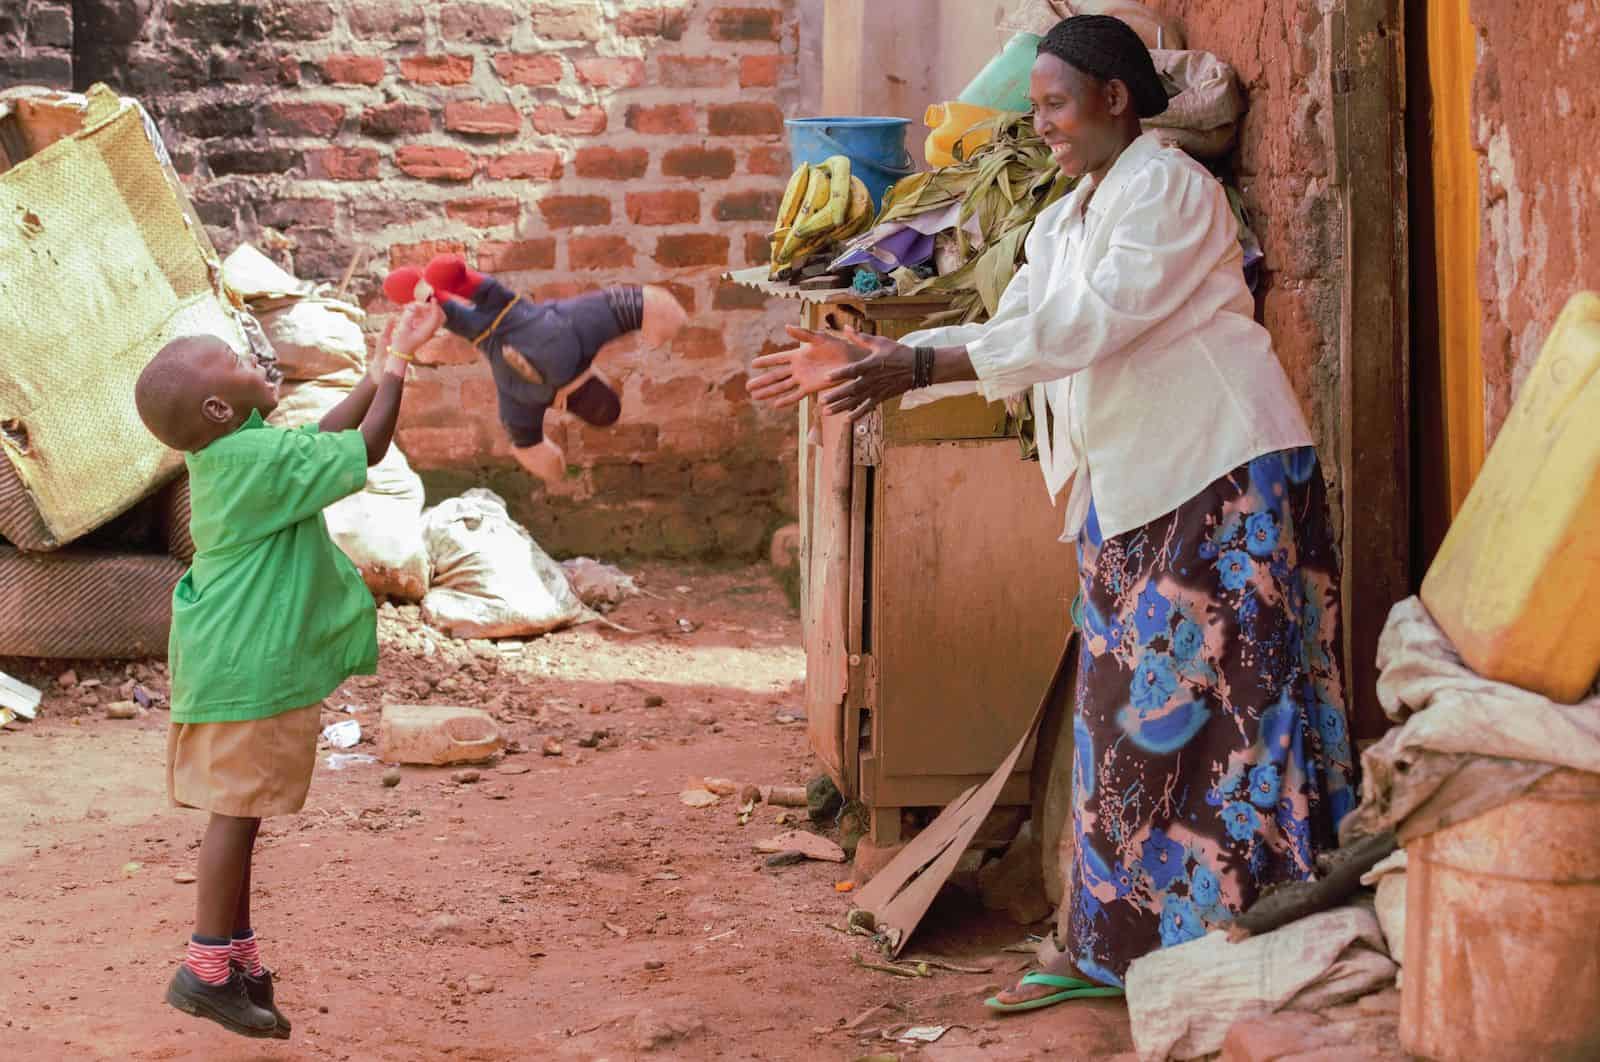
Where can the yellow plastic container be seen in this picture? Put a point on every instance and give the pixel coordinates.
(952, 125)
(1516, 584)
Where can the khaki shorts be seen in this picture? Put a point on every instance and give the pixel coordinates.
(250, 770)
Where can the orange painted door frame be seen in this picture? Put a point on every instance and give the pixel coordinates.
(1452, 61)
(1447, 399)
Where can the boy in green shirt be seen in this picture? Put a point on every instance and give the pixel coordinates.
(268, 620)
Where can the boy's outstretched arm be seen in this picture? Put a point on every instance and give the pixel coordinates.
(374, 405)
(348, 413)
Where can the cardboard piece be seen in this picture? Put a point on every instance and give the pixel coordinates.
(900, 895)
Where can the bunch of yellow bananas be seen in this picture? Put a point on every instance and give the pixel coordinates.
(823, 205)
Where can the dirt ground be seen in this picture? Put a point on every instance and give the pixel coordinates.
(567, 907)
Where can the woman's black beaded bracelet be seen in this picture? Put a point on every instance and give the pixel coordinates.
(922, 367)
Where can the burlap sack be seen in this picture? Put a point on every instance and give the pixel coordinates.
(1203, 117)
(490, 578)
(1155, 29)
(313, 335)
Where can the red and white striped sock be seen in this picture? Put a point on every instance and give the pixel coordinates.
(208, 958)
(246, 954)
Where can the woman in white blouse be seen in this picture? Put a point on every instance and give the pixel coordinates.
(1212, 755)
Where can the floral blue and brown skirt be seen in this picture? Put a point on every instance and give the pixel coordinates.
(1212, 754)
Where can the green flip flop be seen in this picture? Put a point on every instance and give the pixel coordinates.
(1071, 988)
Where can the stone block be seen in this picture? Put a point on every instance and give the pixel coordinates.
(679, 207)
(699, 163)
(746, 24)
(571, 211)
(435, 736)
(600, 252)
(570, 121)
(784, 552)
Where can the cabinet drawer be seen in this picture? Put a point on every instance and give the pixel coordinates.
(965, 417)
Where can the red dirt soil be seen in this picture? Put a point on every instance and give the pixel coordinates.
(560, 908)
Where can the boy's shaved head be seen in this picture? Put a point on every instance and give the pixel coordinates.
(196, 389)
(171, 392)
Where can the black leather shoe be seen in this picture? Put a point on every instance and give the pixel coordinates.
(260, 991)
(227, 1004)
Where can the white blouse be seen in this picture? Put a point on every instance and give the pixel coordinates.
(1132, 323)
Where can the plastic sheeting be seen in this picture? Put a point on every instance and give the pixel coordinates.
(1466, 744)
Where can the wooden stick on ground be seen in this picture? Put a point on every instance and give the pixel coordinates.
(898, 971)
(939, 964)
(1301, 899)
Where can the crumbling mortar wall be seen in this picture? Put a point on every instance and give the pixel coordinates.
(1536, 119)
(1284, 166)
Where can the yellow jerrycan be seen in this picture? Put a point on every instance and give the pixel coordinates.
(952, 125)
(1516, 584)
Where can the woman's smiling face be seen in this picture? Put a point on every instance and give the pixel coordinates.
(1078, 116)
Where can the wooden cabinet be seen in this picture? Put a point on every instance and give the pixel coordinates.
(936, 595)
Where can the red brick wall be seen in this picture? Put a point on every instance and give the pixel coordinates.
(36, 43)
(562, 144)
(1536, 121)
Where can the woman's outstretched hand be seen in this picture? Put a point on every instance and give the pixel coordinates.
(884, 372)
(790, 375)
(861, 371)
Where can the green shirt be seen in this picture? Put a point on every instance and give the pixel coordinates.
(270, 616)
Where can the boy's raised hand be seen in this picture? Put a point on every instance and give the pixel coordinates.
(416, 325)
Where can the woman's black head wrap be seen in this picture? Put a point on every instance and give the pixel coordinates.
(1108, 48)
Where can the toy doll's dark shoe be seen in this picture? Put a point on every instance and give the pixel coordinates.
(259, 989)
(227, 1004)
(594, 402)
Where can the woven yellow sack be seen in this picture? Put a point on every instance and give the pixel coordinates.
(101, 264)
